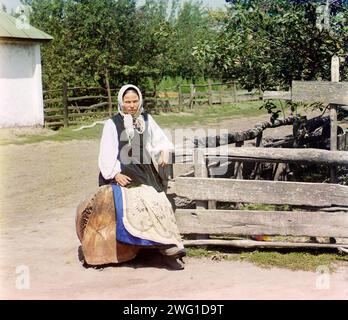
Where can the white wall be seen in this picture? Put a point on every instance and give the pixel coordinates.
(20, 85)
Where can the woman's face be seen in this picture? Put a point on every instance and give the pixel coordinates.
(130, 102)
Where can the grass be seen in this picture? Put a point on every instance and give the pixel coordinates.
(210, 114)
(306, 261)
(202, 114)
(63, 134)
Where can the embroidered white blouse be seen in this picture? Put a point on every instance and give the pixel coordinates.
(108, 163)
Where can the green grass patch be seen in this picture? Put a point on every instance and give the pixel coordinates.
(63, 134)
(210, 114)
(265, 207)
(306, 261)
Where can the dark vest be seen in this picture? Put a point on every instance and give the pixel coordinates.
(134, 158)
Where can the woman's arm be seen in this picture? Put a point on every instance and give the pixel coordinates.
(160, 146)
(108, 151)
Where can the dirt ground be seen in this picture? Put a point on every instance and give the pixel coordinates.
(41, 185)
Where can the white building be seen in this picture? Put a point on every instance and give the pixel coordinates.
(21, 99)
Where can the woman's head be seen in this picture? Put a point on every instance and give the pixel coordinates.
(130, 100)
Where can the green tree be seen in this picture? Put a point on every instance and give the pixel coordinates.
(269, 43)
(193, 26)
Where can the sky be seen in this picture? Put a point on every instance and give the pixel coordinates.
(12, 4)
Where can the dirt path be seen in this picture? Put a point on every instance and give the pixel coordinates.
(41, 185)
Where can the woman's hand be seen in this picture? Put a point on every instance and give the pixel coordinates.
(163, 158)
(122, 179)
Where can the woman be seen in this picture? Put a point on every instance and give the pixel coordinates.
(130, 142)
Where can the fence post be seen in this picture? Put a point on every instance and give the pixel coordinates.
(180, 98)
(210, 93)
(65, 105)
(335, 77)
(239, 170)
(108, 92)
(192, 95)
(235, 91)
(201, 171)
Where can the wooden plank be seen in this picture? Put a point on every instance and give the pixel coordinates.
(86, 97)
(320, 91)
(285, 155)
(333, 141)
(200, 171)
(262, 244)
(261, 191)
(245, 222)
(272, 95)
(91, 107)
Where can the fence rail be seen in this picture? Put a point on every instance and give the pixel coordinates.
(327, 202)
(71, 104)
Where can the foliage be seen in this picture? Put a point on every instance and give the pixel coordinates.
(129, 43)
(267, 44)
(261, 44)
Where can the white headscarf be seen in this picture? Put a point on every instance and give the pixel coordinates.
(136, 121)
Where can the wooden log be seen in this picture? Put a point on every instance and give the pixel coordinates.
(213, 141)
(257, 191)
(285, 155)
(251, 244)
(248, 222)
(96, 230)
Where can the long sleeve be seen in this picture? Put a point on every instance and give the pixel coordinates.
(108, 163)
(158, 141)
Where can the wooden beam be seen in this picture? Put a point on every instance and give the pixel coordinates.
(320, 91)
(248, 222)
(201, 171)
(308, 155)
(262, 244)
(274, 95)
(261, 191)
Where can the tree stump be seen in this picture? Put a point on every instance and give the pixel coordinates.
(96, 230)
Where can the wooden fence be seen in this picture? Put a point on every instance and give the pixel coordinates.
(318, 209)
(328, 219)
(207, 94)
(71, 105)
